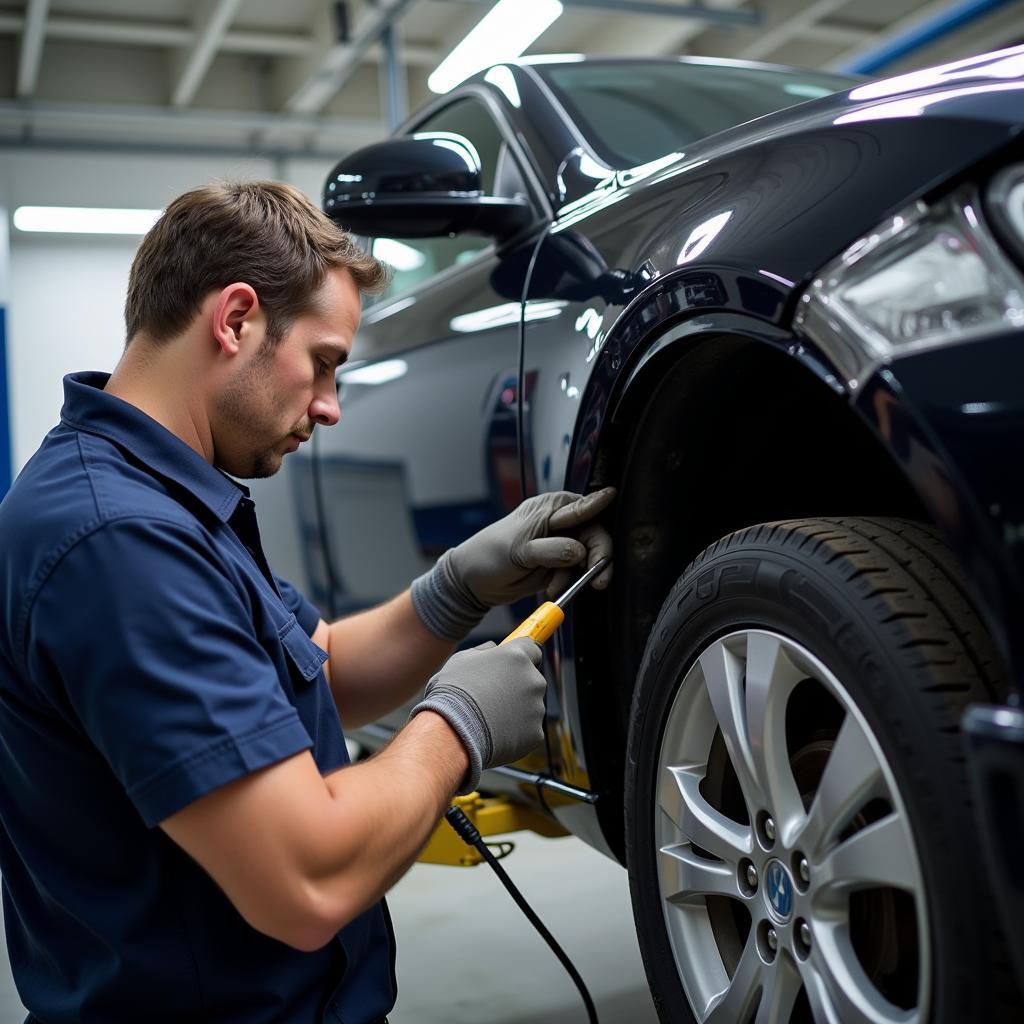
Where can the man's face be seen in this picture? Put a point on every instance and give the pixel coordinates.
(283, 391)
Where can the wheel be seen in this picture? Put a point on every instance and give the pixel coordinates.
(798, 827)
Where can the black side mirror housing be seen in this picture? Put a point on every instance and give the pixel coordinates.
(419, 186)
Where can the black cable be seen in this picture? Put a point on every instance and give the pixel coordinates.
(468, 833)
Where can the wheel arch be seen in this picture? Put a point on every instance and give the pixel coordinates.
(722, 423)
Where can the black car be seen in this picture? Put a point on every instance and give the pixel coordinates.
(781, 311)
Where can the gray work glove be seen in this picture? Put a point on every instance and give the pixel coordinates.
(531, 549)
(493, 697)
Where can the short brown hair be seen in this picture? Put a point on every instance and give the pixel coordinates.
(264, 233)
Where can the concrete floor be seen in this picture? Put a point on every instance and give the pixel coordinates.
(467, 955)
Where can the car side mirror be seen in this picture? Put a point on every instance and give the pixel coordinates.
(419, 186)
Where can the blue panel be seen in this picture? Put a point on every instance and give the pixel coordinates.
(5, 410)
(942, 24)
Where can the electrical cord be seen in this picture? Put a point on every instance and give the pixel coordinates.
(468, 833)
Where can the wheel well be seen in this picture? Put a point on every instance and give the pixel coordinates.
(732, 433)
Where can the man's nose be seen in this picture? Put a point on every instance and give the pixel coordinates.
(324, 408)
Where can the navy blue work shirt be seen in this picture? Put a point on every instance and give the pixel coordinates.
(148, 656)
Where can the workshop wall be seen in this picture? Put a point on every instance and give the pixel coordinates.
(66, 292)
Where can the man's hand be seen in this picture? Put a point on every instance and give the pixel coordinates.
(493, 698)
(531, 549)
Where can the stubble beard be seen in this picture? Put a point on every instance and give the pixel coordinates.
(249, 403)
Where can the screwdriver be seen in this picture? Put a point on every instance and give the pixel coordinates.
(549, 616)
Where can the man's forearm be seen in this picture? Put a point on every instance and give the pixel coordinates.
(381, 658)
(392, 802)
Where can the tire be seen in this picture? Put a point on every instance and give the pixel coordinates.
(811, 854)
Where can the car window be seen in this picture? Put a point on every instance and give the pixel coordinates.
(632, 113)
(415, 260)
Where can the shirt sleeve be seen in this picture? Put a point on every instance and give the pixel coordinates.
(151, 640)
(307, 613)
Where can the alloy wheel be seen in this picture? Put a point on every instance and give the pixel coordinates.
(789, 877)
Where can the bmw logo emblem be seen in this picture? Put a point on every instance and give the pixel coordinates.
(778, 890)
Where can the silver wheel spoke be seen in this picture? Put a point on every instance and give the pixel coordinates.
(819, 997)
(738, 694)
(686, 877)
(851, 778)
(771, 678)
(782, 984)
(879, 855)
(838, 989)
(723, 677)
(736, 1001)
(698, 822)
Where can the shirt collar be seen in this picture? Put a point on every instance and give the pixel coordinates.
(89, 408)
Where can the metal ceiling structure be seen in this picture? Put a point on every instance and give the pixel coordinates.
(318, 76)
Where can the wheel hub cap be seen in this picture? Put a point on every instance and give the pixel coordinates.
(778, 892)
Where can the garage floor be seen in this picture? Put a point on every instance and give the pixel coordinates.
(466, 954)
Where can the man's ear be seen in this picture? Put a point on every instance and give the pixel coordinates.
(236, 312)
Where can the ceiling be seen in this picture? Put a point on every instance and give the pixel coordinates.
(311, 76)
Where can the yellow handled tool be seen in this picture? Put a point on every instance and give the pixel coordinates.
(549, 616)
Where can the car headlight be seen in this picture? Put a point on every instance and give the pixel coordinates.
(929, 276)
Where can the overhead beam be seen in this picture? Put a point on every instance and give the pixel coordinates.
(307, 88)
(697, 11)
(210, 28)
(899, 44)
(32, 36)
(792, 27)
(653, 36)
(841, 35)
(146, 33)
(121, 124)
(890, 31)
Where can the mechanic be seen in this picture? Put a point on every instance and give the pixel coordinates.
(177, 841)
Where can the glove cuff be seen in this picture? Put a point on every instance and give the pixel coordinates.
(460, 711)
(444, 605)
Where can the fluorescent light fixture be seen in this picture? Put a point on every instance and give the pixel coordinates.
(398, 254)
(375, 373)
(502, 78)
(504, 33)
(84, 220)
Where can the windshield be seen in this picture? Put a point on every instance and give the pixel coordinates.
(633, 113)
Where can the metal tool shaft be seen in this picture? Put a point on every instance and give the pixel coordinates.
(581, 582)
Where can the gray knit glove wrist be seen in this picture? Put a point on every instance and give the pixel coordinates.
(493, 698)
(533, 548)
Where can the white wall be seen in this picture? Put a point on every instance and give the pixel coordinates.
(65, 315)
(66, 298)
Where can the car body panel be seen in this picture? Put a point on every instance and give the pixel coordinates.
(633, 268)
(626, 267)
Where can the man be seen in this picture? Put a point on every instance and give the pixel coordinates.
(177, 843)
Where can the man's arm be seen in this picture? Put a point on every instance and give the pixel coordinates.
(300, 855)
(378, 659)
